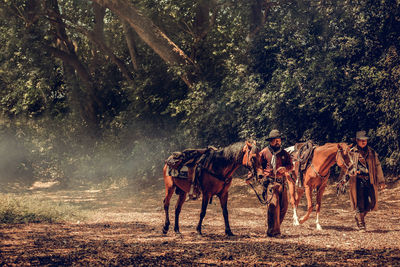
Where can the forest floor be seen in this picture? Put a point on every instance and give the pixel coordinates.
(124, 229)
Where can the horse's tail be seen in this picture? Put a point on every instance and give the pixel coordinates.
(167, 178)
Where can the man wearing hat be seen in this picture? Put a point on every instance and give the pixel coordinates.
(276, 163)
(365, 180)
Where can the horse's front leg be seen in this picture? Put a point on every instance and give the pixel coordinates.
(178, 208)
(299, 194)
(168, 194)
(292, 194)
(320, 192)
(309, 204)
(223, 198)
(204, 204)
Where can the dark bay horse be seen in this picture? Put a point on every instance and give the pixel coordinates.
(316, 177)
(215, 179)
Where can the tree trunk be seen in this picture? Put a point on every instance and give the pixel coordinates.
(258, 15)
(65, 50)
(130, 41)
(152, 36)
(202, 24)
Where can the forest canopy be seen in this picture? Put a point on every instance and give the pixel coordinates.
(102, 89)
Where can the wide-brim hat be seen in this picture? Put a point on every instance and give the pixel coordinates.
(274, 134)
(361, 135)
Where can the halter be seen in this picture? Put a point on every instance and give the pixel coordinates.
(339, 153)
(248, 165)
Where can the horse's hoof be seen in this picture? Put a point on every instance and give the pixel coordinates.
(229, 233)
(165, 228)
(319, 228)
(274, 234)
(199, 233)
(178, 234)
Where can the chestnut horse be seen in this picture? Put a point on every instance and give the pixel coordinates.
(316, 177)
(215, 179)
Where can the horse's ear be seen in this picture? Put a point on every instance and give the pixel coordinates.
(351, 145)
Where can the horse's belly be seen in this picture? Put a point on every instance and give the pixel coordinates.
(213, 185)
(183, 184)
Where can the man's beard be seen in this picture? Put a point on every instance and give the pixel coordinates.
(365, 148)
(276, 147)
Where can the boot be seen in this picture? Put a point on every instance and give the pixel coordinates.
(362, 222)
(357, 218)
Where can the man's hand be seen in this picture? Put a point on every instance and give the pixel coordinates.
(281, 170)
(267, 172)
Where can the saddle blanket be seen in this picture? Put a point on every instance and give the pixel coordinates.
(181, 173)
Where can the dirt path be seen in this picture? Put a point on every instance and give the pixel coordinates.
(126, 230)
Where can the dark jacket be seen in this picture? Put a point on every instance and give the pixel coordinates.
(283, 159)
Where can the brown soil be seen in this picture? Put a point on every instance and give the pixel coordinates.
(125, 229)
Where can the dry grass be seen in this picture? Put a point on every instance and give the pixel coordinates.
(28, 209)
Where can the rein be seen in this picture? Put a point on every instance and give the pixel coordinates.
(261, 199)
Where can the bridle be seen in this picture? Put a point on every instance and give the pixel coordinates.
(253, 169)
(340, 156)
(249, 162)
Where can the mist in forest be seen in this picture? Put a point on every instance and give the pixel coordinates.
(126, 157)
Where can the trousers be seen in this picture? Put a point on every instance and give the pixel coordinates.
(365, 195)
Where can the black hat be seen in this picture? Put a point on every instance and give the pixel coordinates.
(274, 134)
(361, 135)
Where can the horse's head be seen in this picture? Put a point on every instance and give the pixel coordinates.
(252, 159)
(344, 157)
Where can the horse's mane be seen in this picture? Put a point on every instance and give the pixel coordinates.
(332, 144)
(329, 144)
(232, 152)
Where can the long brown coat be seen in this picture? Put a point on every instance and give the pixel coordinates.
(279, 202)
(375, 176)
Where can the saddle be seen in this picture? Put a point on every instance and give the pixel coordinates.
(303, 158)
(179, 162)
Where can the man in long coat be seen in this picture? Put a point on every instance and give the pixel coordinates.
(365, 180)
(277, 164)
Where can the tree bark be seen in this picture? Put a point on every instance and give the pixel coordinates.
(99, 13)
(65, 50)
(258, 16)
(130, 41)
(202, 24)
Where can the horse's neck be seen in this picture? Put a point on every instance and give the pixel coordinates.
(324, 158)
(225, 165)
